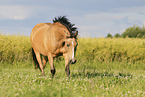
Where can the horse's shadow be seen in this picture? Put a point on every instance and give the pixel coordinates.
(90, 74)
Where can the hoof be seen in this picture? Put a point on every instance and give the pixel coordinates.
(53, 72)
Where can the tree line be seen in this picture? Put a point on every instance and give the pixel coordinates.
(131, 32)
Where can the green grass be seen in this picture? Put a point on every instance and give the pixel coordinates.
(86, 79)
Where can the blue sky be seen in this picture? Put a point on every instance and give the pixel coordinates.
(94, 18)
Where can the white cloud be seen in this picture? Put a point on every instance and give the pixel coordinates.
(14, 12)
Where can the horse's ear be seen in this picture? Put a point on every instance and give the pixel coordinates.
(76, 34)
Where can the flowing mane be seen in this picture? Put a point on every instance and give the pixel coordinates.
(64, 21)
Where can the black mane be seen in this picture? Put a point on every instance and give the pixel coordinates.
(64, 21)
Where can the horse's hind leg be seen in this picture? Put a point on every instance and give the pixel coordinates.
(35, 59)
(39, 61)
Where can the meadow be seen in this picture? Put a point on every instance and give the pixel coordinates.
(105, 67)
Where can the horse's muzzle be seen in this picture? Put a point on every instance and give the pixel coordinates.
(73, 61)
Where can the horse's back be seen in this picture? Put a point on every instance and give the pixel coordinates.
(40, 25)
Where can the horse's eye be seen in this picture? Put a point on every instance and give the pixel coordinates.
(63, 43)
(67, 45)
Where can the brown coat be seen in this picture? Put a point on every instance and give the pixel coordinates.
(53, 40)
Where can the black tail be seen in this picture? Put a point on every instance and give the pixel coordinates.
(35, 59)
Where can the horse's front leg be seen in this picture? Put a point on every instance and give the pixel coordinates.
(67, 68)
(50, 58)
(45, 59)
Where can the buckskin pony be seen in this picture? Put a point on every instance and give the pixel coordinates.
(54, 39)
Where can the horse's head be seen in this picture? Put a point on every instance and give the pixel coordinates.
(68, 49)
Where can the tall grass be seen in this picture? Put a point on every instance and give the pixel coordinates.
(14, 48)
(110, 50)
(17, 48)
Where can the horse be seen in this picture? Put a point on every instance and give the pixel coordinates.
(54, 39)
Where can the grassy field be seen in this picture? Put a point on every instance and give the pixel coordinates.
(86, 80)
(105, 67)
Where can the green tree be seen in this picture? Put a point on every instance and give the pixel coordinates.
(134, 32)
(109, 35)
(117, 35)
